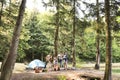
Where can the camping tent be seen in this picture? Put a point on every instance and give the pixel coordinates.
(36, 63)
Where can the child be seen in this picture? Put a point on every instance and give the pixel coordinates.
(55, 64)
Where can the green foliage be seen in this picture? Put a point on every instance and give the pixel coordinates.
(37, 35)
(5, 46)
(116, 70)
(115, 51)
(118, 19)
(6, 27)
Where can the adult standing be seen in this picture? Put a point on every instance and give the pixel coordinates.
(65, 59)
(60, 59)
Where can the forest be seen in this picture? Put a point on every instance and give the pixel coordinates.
(87, 30)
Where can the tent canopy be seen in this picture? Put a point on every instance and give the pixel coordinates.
(36, 63)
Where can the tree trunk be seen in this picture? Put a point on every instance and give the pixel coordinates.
(57, 30)
(1, 10)
(11, 59)
(108, 65)
(73, 38)
(42, 56)
(9, 7)
(33, 55)
(97, 65)
(4, 60)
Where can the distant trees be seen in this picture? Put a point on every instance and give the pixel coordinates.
(6, 27)
(38, 43)
(39, 30)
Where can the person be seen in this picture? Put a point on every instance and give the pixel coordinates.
(65, 60)
(55, 64)
(60, 58)
(49, 62)
(49, 66)
(48, 58)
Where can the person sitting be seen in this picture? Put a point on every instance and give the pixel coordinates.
(55, 64)
(49, 62)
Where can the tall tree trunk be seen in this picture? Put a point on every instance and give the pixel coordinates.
(11, 59)
(108, 65)
(57, 30)
(1, 11)
(73, 38)
(9, 7)
(42, 56)
(33, 55)
(97, 65)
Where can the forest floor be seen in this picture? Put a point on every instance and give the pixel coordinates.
(82, 73)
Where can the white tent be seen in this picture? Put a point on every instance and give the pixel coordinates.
(36, 63)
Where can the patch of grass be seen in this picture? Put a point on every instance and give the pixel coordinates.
(79, 65)
(61, 77)
(79, 62)
(116, 70)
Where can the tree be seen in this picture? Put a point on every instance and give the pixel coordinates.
(73, 33)
(1, 10)
(38, 41)
(97, 65)
(57, 29)
(6, 72)
(108, 65)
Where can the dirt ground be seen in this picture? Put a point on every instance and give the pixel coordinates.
(20, 73)
(20, 67)
(77, 74)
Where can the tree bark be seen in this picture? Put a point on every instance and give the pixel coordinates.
(1, 11)
(97, 65)
(73, 38)
(108, 65)
(11, 59)
(57, 30)
(9, 7)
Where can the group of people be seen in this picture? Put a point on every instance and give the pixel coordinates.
(60, 61)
